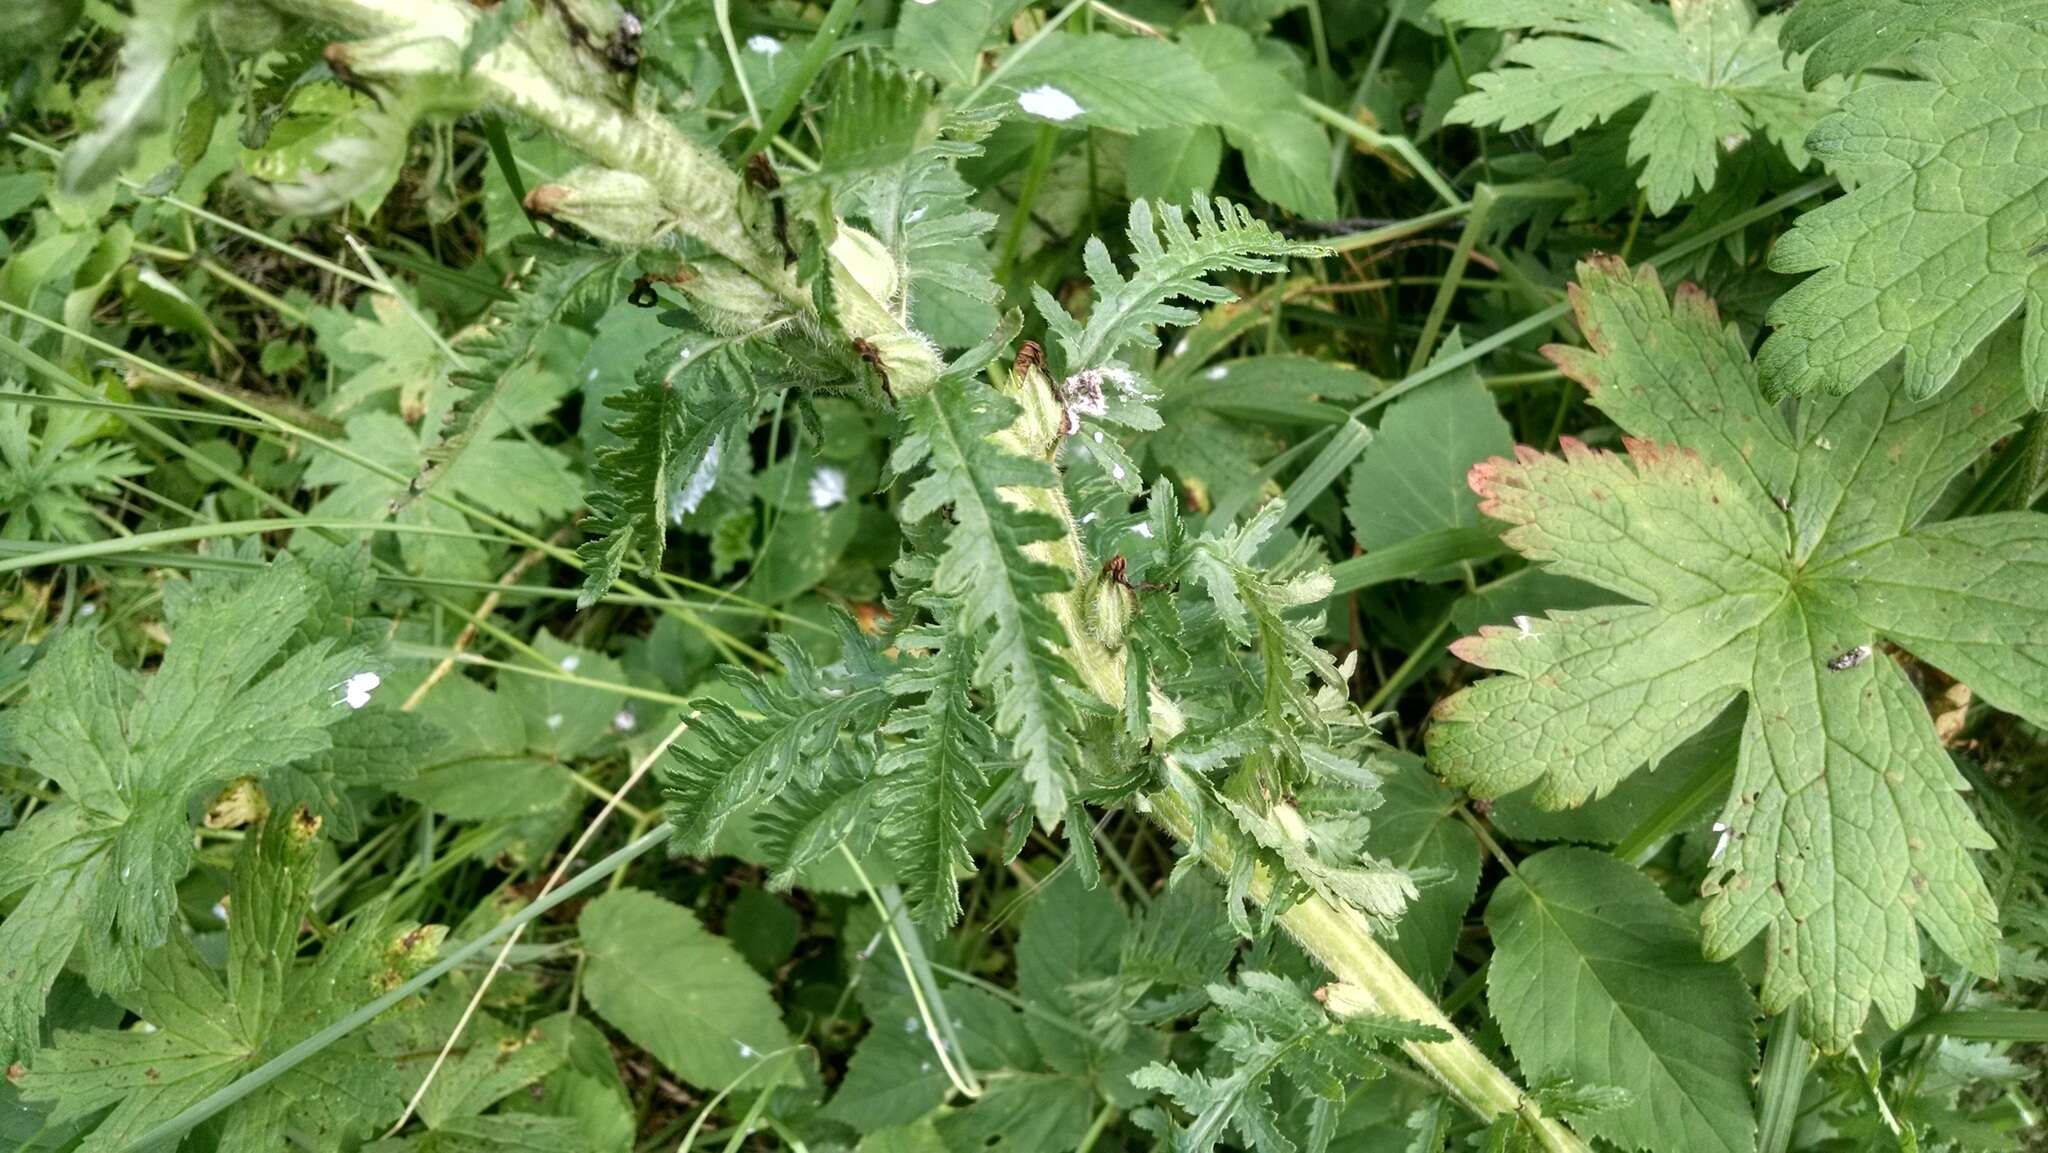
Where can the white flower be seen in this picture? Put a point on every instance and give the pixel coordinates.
(693, 490)
(1048, 102)
(828, 487)
(355, 691)
(765, 45)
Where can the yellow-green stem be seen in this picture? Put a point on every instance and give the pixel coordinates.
(1338, 938)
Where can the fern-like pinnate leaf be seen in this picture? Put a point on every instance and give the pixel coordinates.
(100, 867)
(690, 398)
(631, 484)
(922, 211)
(1268, 1032)
(1768, 560)
(1253, 601)
(1940, 240)
(1169, 261)
(572, 285)
(1709, 70)
(988, 568)
(730, 758)
(933, 781)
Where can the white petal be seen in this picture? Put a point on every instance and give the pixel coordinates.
(1048, 102)
(828, 487)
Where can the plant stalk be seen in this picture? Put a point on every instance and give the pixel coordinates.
(1338, 938)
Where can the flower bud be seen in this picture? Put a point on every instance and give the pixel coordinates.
(867, 263)
(1110, 604)
(616, 208)
(726, 299)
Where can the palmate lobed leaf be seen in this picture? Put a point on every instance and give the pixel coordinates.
(1841, 36)
(1771, 560)
(1939, 241)
(203, 1034)
(100, 867)
(1709, 70)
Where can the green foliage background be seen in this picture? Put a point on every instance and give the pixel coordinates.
(967, 575)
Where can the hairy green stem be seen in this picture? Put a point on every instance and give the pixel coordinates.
(549, 83)
(1342, 942)
(1338, 938)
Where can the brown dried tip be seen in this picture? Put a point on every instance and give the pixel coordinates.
(1323, 994)
(16, 1072)
(546, 198)
(305, 824)
(1030, 357)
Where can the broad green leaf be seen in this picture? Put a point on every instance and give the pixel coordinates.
(100, 867)
(1709, 70)
(874, 117)
(381, 350)
(677, 991)
(1938, 242)
(1026, 1113)
(1598, 978)
(1288, 161)
(1770, 560)
(1121, 83)
(1414, 830)
(587, 1089)
(1411, 479)
(376, 748)
(505, 470)
(494, 1061)
(944, 41)
(1169, 163)
(1286, 154)
(485, 769)
(893, 1077)
(1705, 758)
(1842, 36)
(51, 468)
